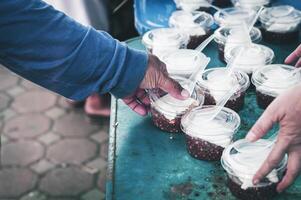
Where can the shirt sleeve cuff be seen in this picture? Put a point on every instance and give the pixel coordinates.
(136, 63)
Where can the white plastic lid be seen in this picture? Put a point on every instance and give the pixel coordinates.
(219, 130)
(251, 58)
(183, 61)
(242, 160)
(192, 5)
(235, 16)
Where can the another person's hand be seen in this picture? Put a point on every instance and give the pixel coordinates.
(156, 76)
(294, 57)
(285, 110)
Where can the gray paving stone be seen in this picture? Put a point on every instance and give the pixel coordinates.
(101, 136)
(72, 151)
(4, 101)
(42, 166)
(4, 139)
(98, 164)
(29, 85)
(21, 153)
(93, 195)
(7, 114)
(27, 126)
(74, 125)
(7, 80)
(49, 138)
(104, 150)
(34, 196)
(70, 181)
(55, 112)
(15, 182)
(101, 182)
(15, 91)
(34, 101)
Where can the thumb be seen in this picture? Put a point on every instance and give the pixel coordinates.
(263, 124)
(173, 88)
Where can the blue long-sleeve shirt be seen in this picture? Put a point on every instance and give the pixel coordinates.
(52, 50)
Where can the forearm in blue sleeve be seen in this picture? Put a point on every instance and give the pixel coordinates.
(52, 50)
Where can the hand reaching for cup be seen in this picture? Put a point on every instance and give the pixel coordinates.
(156, 76)
(294, 57)
(285, 110)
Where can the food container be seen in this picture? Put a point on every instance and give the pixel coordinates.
(206, 138)
(280, 24)
(193, 5)
(197, 25)
(164, 40)
(251, 57)
(250, 4)
(241, 160)
(167, 111)
(222, 37)
(272, 80)
(215, 83)
(234, 16)
(183, 62)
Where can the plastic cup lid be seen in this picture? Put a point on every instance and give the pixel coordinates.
(183, 19)
(235, 16)
(183, 61)
(255, 54)
(222, 33)
(225, 123)
(164, 37)
(280, 14)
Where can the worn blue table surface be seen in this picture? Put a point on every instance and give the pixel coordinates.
(146, 163)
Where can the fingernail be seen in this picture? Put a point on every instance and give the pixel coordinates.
(256, 181)
(185, 93)
(251, 136)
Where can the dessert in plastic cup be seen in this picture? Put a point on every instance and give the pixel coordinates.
(280, 24)
(272, 80)
(251, 58)
(206, 138)
(183, 62)
(237, 38)
(167, 111)
(195, 24)
(241, 160)
(164, 40)
(235, 16)
(216, 83)
(250, 4)
(193, 5)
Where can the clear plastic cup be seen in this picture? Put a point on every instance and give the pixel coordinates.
(161, 41)
(221, 37)
(195, 24)
(251, 58)
(215, 83)
(193, 5)
(280, 24)
(272, 80)
(205, 138)
(241, 167)
(235, 16)
(167, 111)
(183, 62)
(250, 4)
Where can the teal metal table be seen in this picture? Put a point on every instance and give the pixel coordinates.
(148, 164)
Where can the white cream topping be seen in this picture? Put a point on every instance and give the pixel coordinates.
(277, 81)
(251, 59)
(219, 84)
(171, 107)
(237, 37)
(191, 5)
(247, 161)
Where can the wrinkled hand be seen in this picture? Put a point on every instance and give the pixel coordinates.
(285, 110)
(294, 57)
(156, 76)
